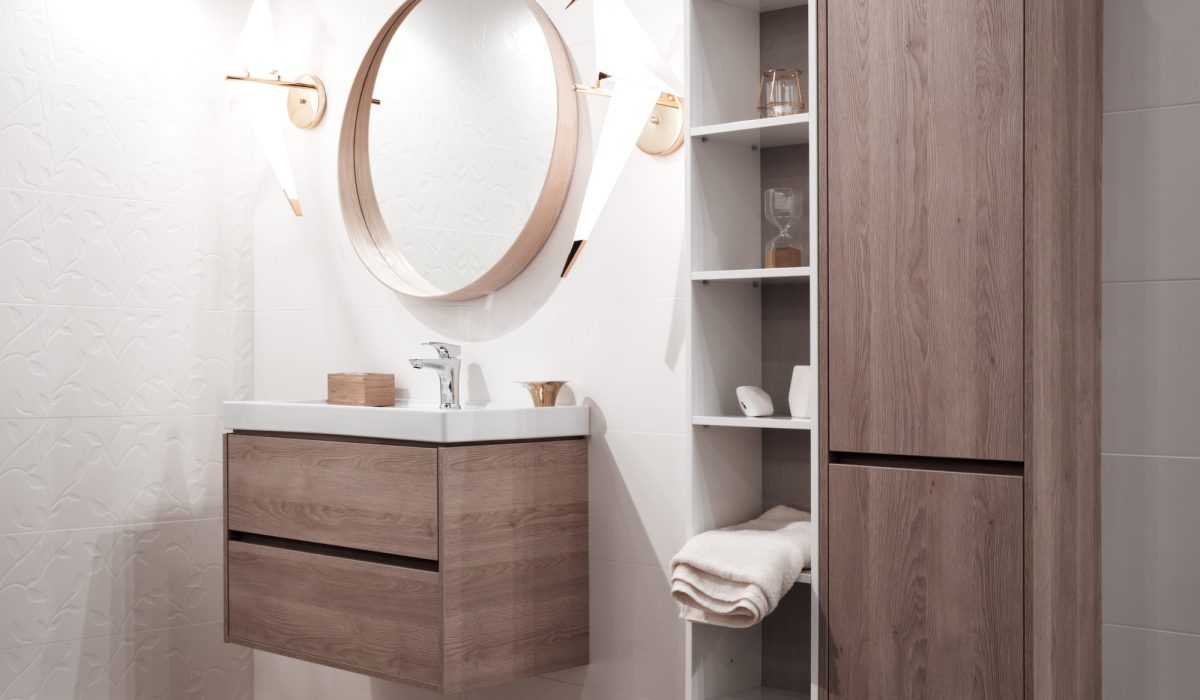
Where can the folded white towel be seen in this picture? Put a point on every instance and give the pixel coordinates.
(735, 576)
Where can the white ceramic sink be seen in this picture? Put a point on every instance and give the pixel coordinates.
(409, 421)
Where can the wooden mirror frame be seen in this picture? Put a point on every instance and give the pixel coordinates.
(360, 209)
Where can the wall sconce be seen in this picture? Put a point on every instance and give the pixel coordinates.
(663, 132)
(305, 97)
(646, 109)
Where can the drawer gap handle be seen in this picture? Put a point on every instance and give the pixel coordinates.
(330, 550)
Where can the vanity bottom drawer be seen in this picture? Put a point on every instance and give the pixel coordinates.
(363, 616)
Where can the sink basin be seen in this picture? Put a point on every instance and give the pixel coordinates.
(416, 422)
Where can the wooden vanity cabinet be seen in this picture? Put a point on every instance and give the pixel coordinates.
(445, 566)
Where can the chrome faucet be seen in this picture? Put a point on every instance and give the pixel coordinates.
(447, 365)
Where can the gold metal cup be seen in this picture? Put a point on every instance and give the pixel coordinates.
(544, 394)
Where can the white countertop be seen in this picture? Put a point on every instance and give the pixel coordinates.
(414, 422)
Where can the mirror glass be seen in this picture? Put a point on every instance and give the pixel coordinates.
(461, 141)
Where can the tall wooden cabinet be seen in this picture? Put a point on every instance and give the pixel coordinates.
(959, 315)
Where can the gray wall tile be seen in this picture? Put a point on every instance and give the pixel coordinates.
(1150, 665)
(1150, 558)
(1151, 211)
(1150, 53)
(1151, 368)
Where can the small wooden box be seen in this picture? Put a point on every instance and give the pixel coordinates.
(362, 389)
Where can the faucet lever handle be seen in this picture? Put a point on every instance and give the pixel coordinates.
(444, 350)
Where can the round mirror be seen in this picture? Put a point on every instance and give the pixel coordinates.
(458, 145)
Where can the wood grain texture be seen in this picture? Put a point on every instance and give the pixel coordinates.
(514, 560)
(366, 617)
(381, 498)
(925, 590)
(366, 389)
(1062, 348)
(360, 208)
(925, 229)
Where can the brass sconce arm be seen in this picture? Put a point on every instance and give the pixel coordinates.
(280, 82)
(273, 81)
(665, 99)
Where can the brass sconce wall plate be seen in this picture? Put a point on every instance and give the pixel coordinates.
(305, 100)
(663, 134)
(306, 107)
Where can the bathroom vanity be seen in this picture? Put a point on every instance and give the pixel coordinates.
(444, 549)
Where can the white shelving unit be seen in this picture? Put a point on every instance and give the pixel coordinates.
(750, 325)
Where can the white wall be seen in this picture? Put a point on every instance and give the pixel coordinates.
(1151, 345)
(125, 292)
(615, 328)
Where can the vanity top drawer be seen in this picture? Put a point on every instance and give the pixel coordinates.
(382, 498)
(363, 616)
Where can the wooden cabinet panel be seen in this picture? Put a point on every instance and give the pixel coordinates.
(925, 229)
(381, 498)
(363, 616)
(925, 588)
(514, 560)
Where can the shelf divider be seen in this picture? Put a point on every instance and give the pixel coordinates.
(763, 274)
(764, 133)
(773, 422)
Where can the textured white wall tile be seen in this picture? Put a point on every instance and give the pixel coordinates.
(182, 663)
(126, 255)
(27, 162)
(58, 474)
(87, 361)
(153, 146)
(66, 585)
(100, 251)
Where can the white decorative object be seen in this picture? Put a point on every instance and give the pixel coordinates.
(255, 54)
(639, 74)
(755, 402)
(800, 395)
(626, 118)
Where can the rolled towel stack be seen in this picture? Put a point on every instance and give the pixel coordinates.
(735, 576)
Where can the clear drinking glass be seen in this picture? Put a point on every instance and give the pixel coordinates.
(780, 92)
(783, 207)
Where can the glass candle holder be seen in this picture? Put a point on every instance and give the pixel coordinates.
(781, 92)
